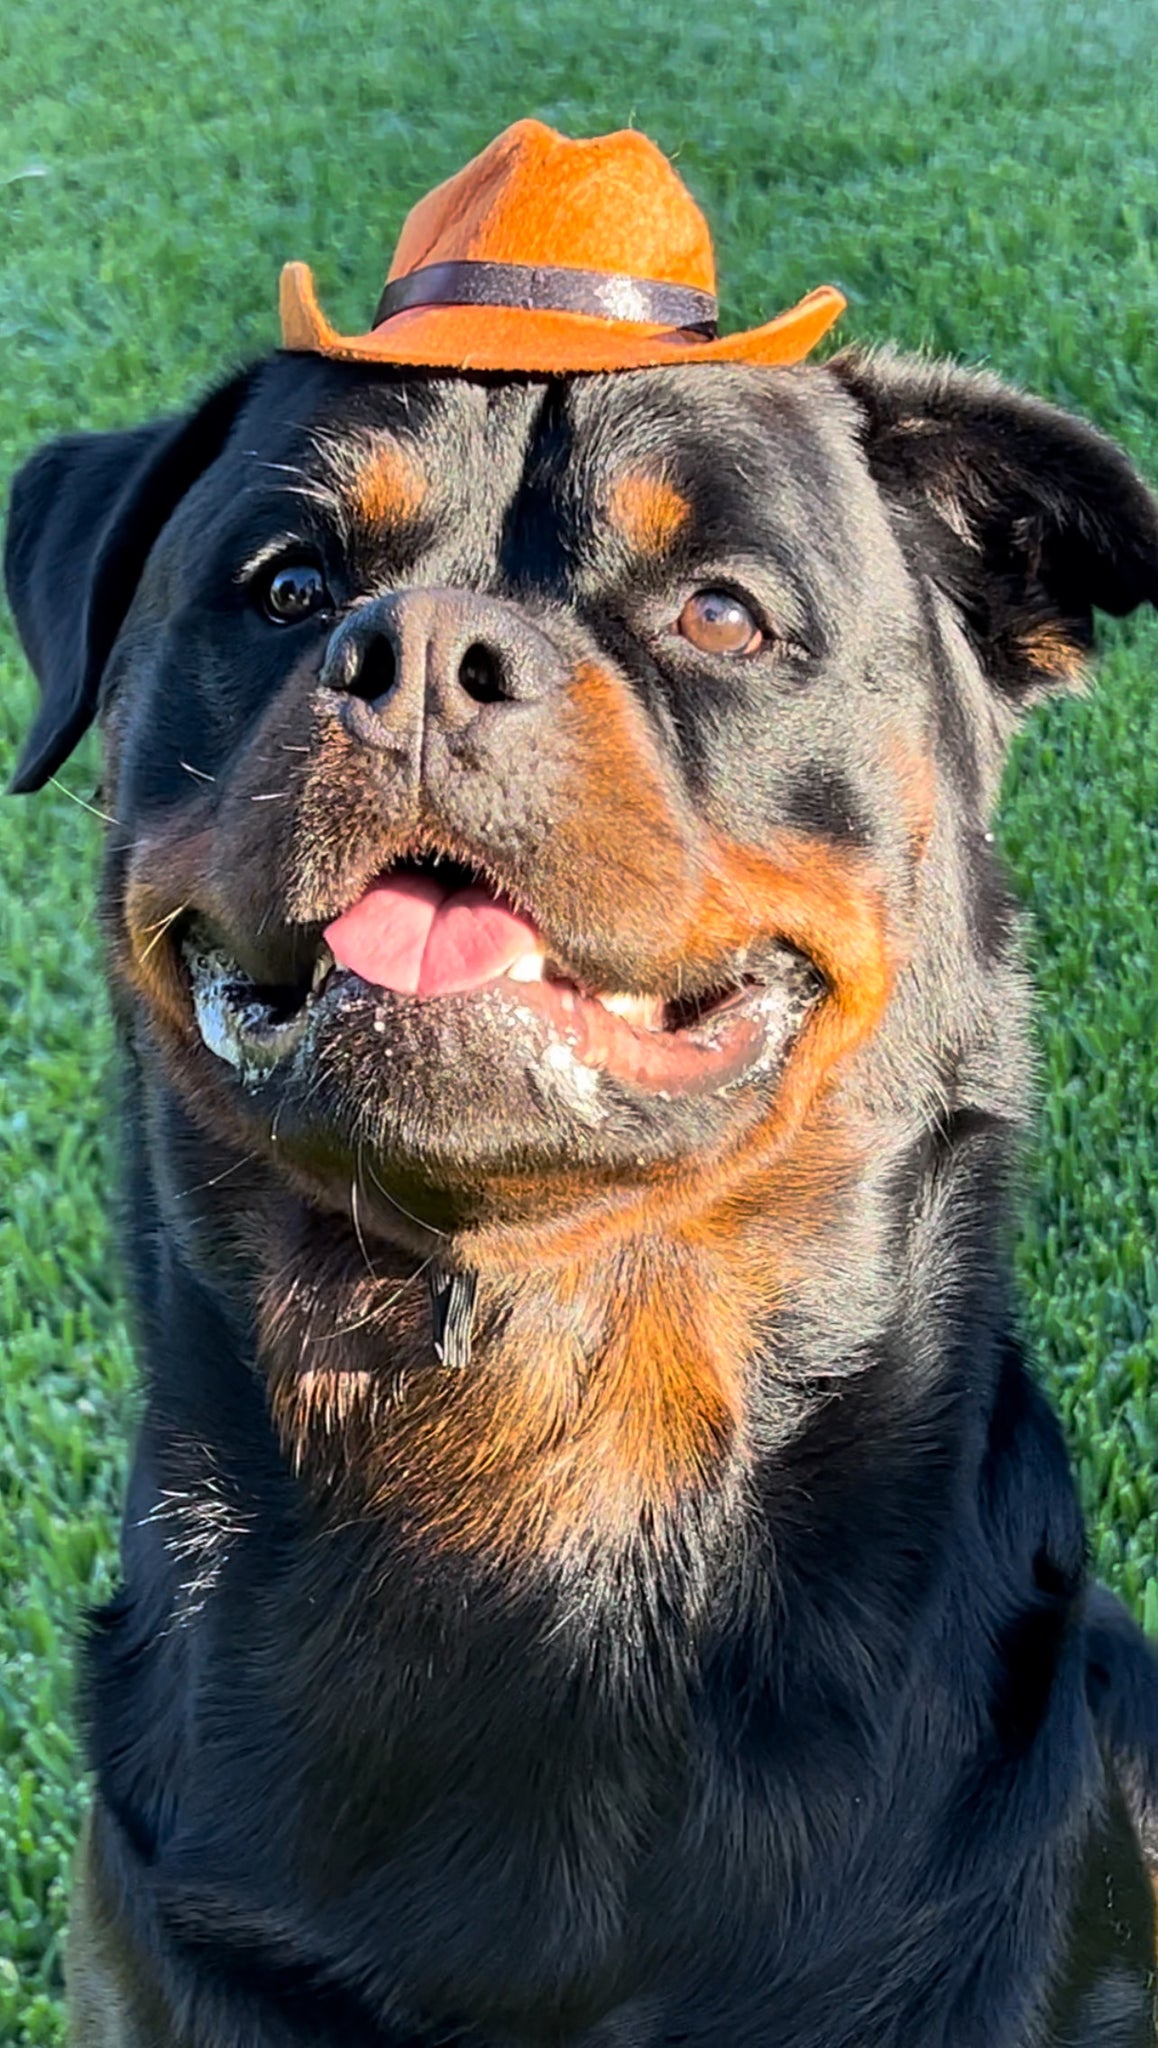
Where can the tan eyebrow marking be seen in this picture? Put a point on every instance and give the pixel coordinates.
(386, 488)
(648, 510)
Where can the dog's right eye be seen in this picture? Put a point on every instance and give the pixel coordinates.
(717, 622)
(293, 591)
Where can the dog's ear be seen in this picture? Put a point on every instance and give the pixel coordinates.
(1028, 518)
(84, 514)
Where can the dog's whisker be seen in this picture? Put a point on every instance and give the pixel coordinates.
(104, 816)
(159, 930)
(375, 1313)
(396, 1204)
(356, 1220)
(215, 1181)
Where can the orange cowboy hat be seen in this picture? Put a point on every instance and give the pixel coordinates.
(547, 255)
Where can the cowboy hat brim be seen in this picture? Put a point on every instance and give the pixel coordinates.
(510, 338)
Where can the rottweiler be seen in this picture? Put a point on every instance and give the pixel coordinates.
(598, 1569)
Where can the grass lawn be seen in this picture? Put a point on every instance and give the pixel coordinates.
(982, 182)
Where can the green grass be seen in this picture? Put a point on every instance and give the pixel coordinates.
(981, 181)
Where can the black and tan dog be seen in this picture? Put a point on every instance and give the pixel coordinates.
(597, 1568)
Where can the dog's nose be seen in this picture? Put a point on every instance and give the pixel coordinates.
(440, 657)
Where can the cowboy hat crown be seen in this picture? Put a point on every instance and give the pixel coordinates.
(547, 255)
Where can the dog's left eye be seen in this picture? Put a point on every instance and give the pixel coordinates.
(293, 591)
(718, 623)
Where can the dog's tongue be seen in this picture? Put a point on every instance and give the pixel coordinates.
(410, 934)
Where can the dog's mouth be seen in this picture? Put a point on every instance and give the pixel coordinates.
(435, 937)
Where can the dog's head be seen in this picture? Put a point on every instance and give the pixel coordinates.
(531, 794)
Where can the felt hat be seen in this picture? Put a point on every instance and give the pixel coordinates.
(546, 255)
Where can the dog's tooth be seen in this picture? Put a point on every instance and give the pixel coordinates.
(216, 1020)
(322, 966)
(530, 967)
(645, 1013)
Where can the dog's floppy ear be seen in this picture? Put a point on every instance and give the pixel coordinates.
(85, 512)
(1028, 518)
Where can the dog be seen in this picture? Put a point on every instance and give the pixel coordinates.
(598, 1568)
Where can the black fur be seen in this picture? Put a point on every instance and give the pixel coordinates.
(831, 1746)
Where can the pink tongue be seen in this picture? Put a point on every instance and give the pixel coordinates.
(410, 934)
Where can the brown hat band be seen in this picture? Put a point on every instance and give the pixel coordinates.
(548, 288)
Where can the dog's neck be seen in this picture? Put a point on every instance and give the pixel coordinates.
(592, 1394)
(606, 1397)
